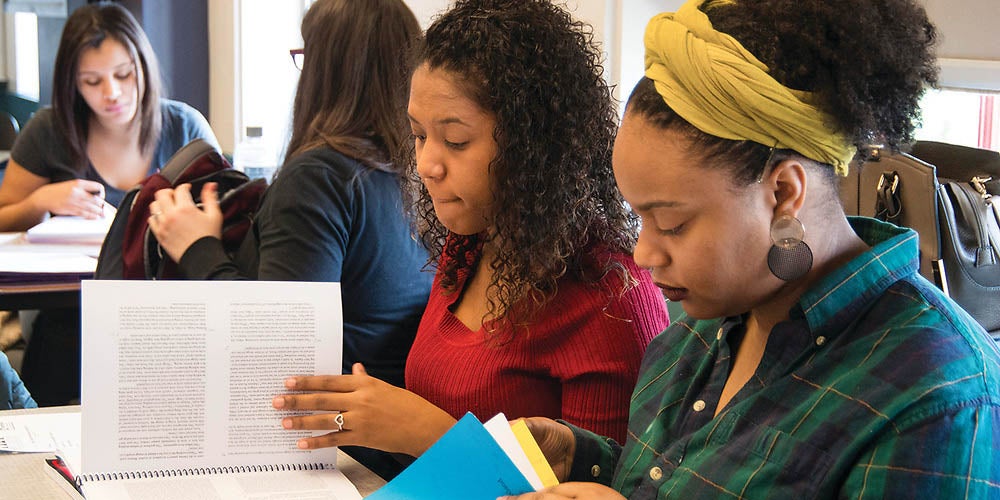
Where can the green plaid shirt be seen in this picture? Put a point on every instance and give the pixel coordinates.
(876, 387)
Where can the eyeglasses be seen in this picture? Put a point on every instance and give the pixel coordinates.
(298, 55)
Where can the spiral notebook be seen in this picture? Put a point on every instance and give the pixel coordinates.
(178, 378)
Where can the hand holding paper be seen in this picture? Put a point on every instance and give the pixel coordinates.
(376, 414)
(556, 442)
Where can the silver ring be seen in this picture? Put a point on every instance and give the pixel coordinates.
(339, 420)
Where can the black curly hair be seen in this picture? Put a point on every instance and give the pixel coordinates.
(538, 72)
(867, 69)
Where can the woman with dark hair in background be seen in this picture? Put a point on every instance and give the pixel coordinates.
(814, 360)
(334, 210)
(108, 128)
(537, 306)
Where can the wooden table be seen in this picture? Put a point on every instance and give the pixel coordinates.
(364, 480)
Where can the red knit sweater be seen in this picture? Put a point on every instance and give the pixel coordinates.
(578, 361)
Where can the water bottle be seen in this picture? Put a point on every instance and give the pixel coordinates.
(254, 157)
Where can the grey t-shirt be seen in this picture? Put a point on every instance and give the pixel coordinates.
(42, 152)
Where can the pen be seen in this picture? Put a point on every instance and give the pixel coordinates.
(97, 194)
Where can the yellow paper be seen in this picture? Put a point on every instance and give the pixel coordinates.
(535, 455)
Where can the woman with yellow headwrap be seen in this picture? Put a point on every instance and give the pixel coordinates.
(814, 361)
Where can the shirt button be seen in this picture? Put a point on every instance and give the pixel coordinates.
(718, 335)
(698, 405)
(595, 471)
(655, 473)
(820, 340)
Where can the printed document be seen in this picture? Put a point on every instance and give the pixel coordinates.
(178, 378)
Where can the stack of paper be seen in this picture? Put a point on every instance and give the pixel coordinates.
(73, 229)
(472, 461)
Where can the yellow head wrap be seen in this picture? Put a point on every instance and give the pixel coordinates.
(719, 87)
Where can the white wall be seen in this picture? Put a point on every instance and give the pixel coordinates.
(224, 89)
(969, 52)
(426, 9)
(618, 27)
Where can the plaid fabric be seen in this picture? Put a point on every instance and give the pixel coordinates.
(876, 387)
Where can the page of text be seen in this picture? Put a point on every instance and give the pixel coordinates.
(180, 374)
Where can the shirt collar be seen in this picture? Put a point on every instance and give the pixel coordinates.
(838, 298)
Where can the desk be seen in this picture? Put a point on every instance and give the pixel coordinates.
(41, 290)
(14, 296)
(363, 479)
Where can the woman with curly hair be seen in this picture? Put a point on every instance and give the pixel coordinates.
(537, 306)
(814, 360)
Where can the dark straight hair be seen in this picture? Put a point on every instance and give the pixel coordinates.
(353, 90)
(88, 27)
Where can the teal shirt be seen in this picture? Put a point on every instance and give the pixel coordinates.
(877, 386)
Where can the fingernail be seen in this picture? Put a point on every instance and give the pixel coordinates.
(303, 444)
(286, 423)
(278, 402)
(290, 382)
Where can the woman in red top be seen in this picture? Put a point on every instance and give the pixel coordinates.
(537, 306)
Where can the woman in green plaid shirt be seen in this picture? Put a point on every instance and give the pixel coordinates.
(814, 361)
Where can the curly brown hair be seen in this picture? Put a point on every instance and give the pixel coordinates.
(867, 70)
(538, 72)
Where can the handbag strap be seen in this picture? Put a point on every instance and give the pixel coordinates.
(887, 204)
(989, 190)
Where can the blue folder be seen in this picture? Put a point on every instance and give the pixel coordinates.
(466, 463)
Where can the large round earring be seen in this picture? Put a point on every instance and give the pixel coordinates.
(790, 258)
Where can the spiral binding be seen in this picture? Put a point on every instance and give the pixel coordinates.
(197, 471)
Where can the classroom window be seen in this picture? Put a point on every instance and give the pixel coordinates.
(268, 79)
(26, 82)
(967, 118)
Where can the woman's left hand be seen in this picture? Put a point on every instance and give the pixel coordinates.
(372, 413)
(177, 222)
(571, 490)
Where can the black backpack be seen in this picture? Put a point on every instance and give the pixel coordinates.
(130, 250)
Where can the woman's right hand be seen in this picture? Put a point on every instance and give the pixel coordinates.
(177, 222)
(74, 197)
(557, 443)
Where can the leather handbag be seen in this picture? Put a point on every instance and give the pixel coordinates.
(950, 195)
